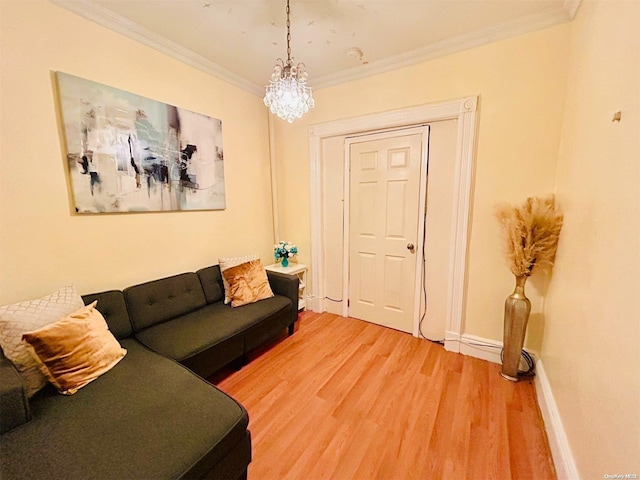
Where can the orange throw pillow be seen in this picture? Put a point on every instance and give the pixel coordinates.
(75, 350)
(226, 263)
(248, 283)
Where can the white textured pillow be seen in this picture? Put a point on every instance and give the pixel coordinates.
(22, 317)
(226, 263)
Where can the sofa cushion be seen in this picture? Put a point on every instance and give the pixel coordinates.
(189, 334)
(30, 315)
(192, 333)
(155, 302)
(75, 350)
(14, 404)
(148, 417)
(211, 280)
(113, 308)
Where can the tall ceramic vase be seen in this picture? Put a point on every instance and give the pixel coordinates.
(516, 315)
(285, 262)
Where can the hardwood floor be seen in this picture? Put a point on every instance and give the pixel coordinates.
(345, 399)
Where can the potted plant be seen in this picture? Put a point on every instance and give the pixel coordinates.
(530, 232)
(282, 251)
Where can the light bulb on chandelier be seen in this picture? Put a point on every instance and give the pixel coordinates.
(288, 95)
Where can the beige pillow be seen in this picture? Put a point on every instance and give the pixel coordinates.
(29, 315)
(248, 283)
(226, 263)
(75, 350)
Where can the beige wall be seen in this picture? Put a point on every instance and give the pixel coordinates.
(588, 330)
(592, 336)
(521, 83)
(42, 245)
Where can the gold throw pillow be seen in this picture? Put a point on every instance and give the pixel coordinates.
(75, 350)
(248, 283)
(228, 262)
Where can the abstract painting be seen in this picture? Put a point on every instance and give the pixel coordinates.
(127, 153)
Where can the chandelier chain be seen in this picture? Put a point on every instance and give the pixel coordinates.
(288, 35)
(288, 96)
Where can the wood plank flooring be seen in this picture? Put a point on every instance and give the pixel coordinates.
(345, 399)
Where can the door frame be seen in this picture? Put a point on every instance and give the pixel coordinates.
(464, 110)
(422, 194)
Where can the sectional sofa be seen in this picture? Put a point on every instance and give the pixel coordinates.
(153, 415)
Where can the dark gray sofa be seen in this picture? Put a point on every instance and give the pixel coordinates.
(172, 316)
(149, 417)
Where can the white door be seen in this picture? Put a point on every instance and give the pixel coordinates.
(384, 219)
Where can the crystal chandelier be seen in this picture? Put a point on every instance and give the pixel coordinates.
(287, 93)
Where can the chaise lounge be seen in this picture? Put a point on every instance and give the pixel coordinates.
(153, 415)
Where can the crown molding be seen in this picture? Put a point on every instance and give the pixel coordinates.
(118, 24)
(571, 7)
(527, 24)
(106, 18)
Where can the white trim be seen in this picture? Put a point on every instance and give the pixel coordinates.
(433, 112)
(482, 348)
(536, 21)
(461, 214)
(512, 28)
(274, 181)
(566, 468)
(317, 301)
(107, 18)
(462, 109)
(479, 347)
(346, 231)
(571, 7)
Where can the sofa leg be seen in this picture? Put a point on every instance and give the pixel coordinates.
(291, 329)
(240, 362)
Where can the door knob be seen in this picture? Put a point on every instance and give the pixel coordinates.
(410, 247)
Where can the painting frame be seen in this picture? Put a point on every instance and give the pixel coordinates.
(125, 153)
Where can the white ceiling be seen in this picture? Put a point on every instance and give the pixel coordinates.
(240, 40)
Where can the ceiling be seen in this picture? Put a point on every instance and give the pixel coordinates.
(338, 40)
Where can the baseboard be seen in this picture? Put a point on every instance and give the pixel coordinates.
(558, 442)
(473, 346)
(315, 304)
(482, 348)
(478, 347)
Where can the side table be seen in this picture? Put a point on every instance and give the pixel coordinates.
(298, 269)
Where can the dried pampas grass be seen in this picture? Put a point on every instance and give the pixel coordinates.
(531, 233)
